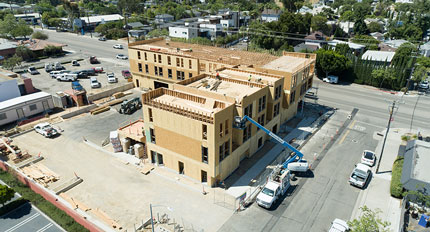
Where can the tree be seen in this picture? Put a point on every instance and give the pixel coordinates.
(7, 25)
(12, 62)
(331, 61)
(375, 27)
(24, 52)
(22, 29)
(292, 5)
(360, 27)
(369, 221)
(347, 16)
(319, 23)
(370, 42)
(420, 73)
(158, 33)
(6, 194)
(403, 53)
(342, 48)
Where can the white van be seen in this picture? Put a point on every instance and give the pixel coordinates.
(331, 79)
(95, 83)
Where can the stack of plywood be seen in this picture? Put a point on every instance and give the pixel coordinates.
(99, 110)
(104, 217)
(40, 173)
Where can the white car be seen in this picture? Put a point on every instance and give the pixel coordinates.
(118, 46)
(360, 175)
(338, 225)
(331, 79)
(95, 83)
(45, 129)
(111, 77)
(32, 70)
(424, 85)
(368, 158)
(67, 77)
(121, 56)
(54, 74)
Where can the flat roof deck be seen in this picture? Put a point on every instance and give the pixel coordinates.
(216, 54)
(206, 108)
(287, 64)
(231, 89)
(245, 74)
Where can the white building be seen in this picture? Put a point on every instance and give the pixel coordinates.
(425, 49)
(270, 15)
(183, 32)
(8, 88)
(378, 56)
(24, 107)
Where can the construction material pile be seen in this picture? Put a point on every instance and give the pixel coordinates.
(40, 173)
(116, 143)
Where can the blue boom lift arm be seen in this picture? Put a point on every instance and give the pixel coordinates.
(240, 124)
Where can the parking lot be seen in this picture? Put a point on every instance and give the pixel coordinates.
(27, 218)
(45, 83)
(118, 189)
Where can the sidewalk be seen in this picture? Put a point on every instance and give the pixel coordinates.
(377, 194)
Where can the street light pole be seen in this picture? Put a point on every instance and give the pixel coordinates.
(386, 134)
(152, 218)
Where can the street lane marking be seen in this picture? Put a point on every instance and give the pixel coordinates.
(347, 132)
(45, 227)
(23, 222)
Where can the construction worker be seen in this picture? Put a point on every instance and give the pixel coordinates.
(250, 77)
(217, 76)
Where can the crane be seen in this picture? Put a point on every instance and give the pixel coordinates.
(240, 124)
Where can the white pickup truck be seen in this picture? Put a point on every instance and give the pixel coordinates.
(45, 129)
(67, 77)
(275, 187)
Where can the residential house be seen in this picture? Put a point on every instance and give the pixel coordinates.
(270, 15)
(357, 48)
(415, 172)
(317, 39)
(378, 36)
(381, 57)
(9, 6)
(7, 48)
(135, 25)
(183, 32)
(38, 45)
(140, 32)
(395, 43)
(302, 47)
(164, 18)
(347, 27)
(305, 10)
(425, 49)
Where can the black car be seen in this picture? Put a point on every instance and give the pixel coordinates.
(102, 39)
(81, 74)
(88, 72)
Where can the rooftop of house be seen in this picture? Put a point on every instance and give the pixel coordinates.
(244, 73)
(287, 64)
(187, 104)
(226, 86)
(415, 166)
(210, 53)
(384, 56)
(271, 12)
(38, 44)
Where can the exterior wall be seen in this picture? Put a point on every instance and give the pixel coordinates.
(183, 32)
(12, 114)
(269, 18)
(146, 79)
(9, 89)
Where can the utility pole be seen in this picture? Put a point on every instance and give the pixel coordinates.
(386, 134)
(88, 18)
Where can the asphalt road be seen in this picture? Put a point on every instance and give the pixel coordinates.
(27, 218)
(87, 45)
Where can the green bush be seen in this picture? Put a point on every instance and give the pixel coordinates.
(39, 35)
(396, 188)
(59, 216)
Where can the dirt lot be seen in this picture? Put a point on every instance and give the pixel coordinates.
(47, 84)
(120, 190)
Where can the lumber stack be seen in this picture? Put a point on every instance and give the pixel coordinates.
(104, 217)
(41, 174)
(99, 110)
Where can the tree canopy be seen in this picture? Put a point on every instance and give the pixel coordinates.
(330, 61)
(6, 194)
(369, 221)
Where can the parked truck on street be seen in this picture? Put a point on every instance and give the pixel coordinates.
(275, 187)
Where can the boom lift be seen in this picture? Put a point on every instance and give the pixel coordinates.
(298, 156)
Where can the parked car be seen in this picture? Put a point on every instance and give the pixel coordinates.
(93, 60)
(45, 129)
(49, 67)
(32, 70)
(75, 63)
(331, 79)
(77, 86)
(121, 56)
(67, 77)
(118, 46)
(95, 83)
(80, 74)
(102, 39)
(424, 85)
(98, 69)
(89, 72)
(126, 74)
(368, 158)
(338, 225)
(360, 175)
(54, 74)
(111, 78)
